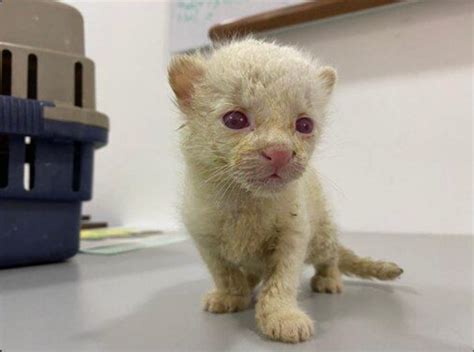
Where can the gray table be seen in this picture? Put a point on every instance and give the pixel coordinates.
(150, 301)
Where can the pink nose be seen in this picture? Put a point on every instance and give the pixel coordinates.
(278, 157)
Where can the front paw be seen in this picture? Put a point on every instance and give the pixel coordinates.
(290, 325)
(220, 302)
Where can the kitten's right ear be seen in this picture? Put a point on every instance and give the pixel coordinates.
(328, 77)
(184, 72)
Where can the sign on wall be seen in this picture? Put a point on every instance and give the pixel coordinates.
(191, 19)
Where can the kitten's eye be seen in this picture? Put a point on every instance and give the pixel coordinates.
(236, 120)
(304, 125)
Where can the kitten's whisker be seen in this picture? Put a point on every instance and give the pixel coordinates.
(218, 173)
(220, 170)
(331, 183)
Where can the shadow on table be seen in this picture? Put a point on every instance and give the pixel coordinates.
(91, 267)
(173, 321)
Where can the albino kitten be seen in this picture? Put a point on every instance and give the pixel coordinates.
(254, 112)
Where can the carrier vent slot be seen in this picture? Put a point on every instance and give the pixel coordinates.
(6, 73)
(29, 166)
(32, 77)
(78, 77)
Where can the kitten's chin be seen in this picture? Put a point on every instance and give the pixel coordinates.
(267, 187)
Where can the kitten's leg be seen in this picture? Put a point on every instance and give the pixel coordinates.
(323, 254)
(277, 312)
(327, 278)
(231, 293)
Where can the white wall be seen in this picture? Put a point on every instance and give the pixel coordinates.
(136, 175)
(398, 156)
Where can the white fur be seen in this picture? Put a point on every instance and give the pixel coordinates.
(246, 231)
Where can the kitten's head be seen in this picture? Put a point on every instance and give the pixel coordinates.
(254, 112)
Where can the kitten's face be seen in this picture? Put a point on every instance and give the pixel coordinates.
(254, 113)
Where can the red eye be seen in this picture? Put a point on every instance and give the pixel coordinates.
(304, 125)
(236, 120)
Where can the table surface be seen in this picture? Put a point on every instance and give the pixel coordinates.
(149, 300)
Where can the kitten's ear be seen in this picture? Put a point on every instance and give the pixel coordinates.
(328, 77)
(184, 72)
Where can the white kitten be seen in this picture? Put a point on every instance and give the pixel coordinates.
(254, 112)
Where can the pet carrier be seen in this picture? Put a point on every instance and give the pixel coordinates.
(49, 129)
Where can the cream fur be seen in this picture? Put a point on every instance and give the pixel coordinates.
(248, 232)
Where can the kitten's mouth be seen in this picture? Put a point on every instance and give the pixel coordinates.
(273, 180)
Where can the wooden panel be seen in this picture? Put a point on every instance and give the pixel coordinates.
(292, 15)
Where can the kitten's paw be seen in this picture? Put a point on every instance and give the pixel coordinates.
(325, 284)
(219, 302)
(287, 326)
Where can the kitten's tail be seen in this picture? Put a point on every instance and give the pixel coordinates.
(352, 265)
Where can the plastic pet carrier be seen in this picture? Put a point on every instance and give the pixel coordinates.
(49, 130)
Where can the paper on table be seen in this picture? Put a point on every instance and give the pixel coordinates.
(118, 246)
(115, 232)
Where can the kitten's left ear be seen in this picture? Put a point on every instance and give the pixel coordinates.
(328, 77)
